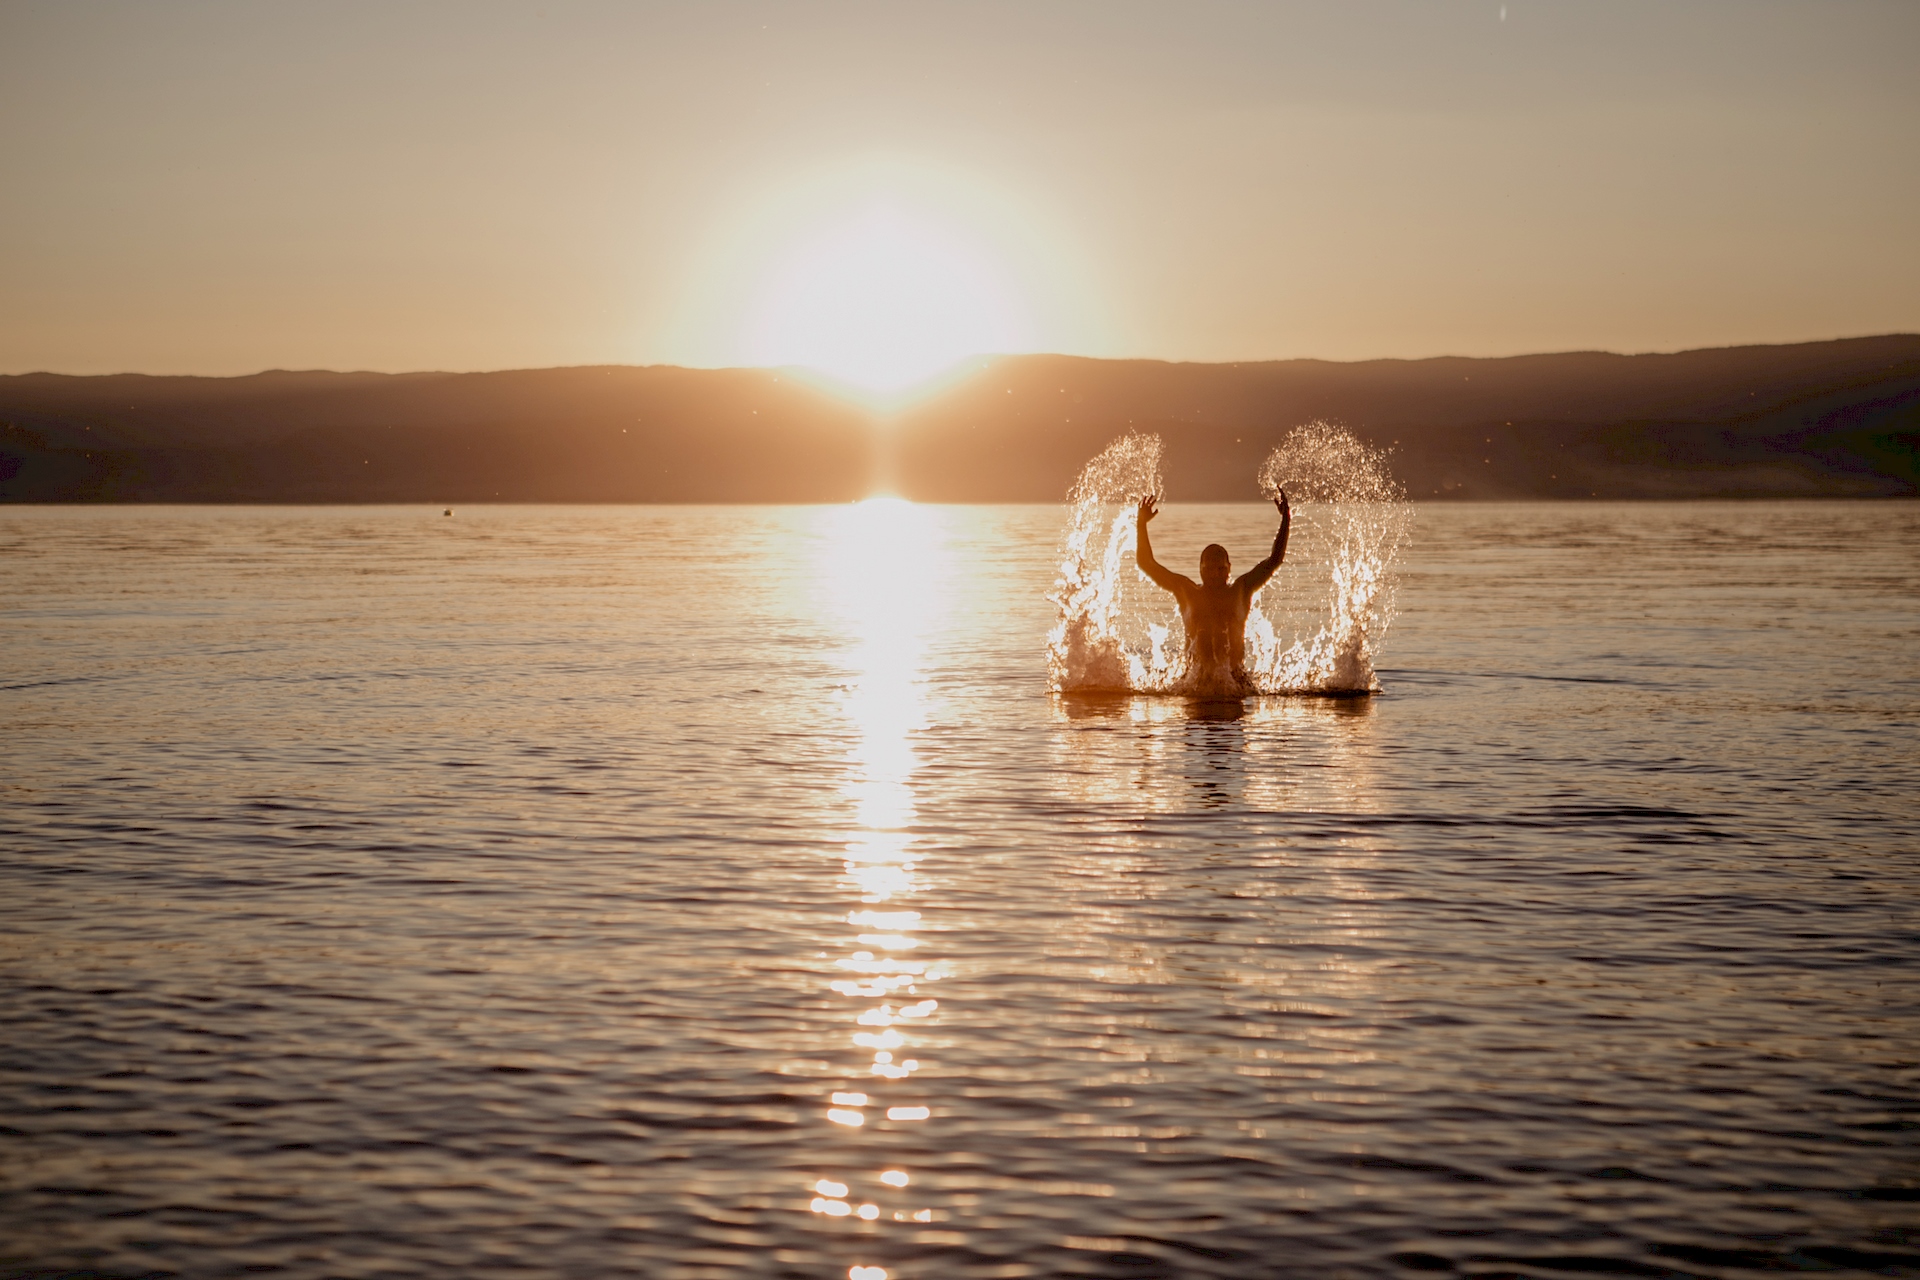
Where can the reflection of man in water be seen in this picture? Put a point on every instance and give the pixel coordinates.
(1214, 610)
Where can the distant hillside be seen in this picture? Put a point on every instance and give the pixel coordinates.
(1814, 419)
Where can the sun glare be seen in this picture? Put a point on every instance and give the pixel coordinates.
(886, 299)
(879, 276)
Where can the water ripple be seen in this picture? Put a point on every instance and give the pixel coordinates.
(540, 893)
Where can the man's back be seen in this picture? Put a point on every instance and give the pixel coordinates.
(1215, 619)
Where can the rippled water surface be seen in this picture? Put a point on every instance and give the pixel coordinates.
(720, 892)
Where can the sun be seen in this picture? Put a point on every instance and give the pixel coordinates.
(884, 297)
(879, 276)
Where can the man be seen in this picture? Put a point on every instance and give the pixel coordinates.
(1214, 610)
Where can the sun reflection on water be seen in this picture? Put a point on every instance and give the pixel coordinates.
(884, 565)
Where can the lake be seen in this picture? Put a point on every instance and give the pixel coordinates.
(701, 892)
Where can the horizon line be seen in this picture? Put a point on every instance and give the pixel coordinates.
(989, 357)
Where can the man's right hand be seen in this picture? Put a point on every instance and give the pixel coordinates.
(1148, 509)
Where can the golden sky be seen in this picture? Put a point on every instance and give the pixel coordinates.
(878, 188)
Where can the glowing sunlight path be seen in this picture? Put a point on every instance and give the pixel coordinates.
(883, 567)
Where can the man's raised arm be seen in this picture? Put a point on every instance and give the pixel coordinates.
(1143, 551)
(1255, 578)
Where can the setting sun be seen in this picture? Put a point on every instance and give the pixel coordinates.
(884, 299)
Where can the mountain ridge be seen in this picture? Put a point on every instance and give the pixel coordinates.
(1836, 418)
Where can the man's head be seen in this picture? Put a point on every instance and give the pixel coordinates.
(1215, 565)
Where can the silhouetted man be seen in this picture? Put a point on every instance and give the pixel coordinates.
(1214, 610)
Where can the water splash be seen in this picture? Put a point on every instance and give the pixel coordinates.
(1351, 518)
(1085, 650)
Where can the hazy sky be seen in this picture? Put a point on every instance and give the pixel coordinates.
(221, 188)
